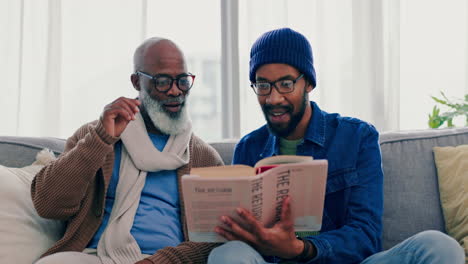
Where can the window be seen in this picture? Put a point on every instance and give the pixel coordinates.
(195, 27)
(378, 60)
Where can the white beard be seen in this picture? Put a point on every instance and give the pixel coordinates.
(167, 124)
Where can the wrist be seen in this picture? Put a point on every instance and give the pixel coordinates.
(295, 251)
(308, 251)
(103, 134)
(298, 248)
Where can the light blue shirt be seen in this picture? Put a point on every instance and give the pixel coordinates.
(157, 219)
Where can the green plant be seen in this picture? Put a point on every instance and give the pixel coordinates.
(458, 108)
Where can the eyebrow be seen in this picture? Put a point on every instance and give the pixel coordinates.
(168, 75)
(286, 77)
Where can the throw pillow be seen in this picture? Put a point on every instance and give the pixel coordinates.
(25, 236)
(452, 171)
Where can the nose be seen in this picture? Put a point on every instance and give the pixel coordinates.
(274, 98)
(174, 91)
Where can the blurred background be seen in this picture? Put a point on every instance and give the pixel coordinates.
(62, 61)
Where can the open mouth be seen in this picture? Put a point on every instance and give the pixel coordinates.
(278, 115)
(173, 107)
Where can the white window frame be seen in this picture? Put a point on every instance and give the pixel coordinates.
(230, 92)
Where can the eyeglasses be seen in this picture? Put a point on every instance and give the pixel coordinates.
(163, 82)
(284, 86)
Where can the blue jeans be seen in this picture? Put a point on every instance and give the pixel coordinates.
(428, 247)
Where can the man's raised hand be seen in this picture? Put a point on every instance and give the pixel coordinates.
(118, 114)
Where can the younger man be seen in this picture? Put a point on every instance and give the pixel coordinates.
(282, 76)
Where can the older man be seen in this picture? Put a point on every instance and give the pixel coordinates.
(117, 184)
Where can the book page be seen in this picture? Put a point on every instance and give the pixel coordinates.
(282, 159)
(208, 198)
(224, 171)
(305, 184)
(307, 189)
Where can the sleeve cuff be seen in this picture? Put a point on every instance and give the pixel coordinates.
(101, 131)
(322, 247)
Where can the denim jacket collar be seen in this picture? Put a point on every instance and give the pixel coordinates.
(316, 130)
(315, 133)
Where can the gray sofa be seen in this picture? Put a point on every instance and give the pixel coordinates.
(411, 192)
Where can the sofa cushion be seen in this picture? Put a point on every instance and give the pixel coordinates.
(411, 193)
(25, 235)
(452, 172)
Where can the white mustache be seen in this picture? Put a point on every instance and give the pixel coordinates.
(173, 100)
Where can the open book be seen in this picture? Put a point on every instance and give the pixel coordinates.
(211, 192)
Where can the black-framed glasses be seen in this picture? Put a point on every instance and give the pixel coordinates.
(163, 82)
(283, 86)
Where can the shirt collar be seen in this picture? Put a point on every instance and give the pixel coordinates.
(315, 132)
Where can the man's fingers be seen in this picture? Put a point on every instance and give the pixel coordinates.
(286, 214)
(226, 234)
(136, 101)
(286, 209)
(255, 226)
(238, 231)
(116, 115)
(127, 107)
(133, 103)
(116, 112)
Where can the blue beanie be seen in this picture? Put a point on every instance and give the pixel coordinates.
(286, 46)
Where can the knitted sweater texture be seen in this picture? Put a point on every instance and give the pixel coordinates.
(73, 189)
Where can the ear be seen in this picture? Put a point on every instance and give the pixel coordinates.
(135, 81)
(309, 87)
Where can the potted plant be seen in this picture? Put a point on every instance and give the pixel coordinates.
(457, 107)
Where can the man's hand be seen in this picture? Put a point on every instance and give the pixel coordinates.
(278, 240)
(118, 114)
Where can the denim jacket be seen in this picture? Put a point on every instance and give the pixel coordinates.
(352, 217)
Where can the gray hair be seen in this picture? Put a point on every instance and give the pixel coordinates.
(138, 56)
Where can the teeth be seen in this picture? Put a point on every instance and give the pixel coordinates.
(277, 114)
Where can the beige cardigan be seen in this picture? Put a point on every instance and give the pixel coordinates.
(73, 189)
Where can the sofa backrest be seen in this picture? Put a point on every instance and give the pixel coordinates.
(225, 148)
(411, 192)
(21, 151)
